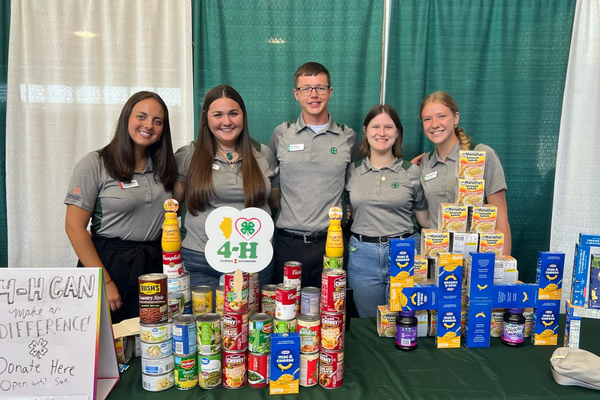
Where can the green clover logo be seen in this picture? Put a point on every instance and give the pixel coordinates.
(247, 227)
(333, 150)
(395, 185)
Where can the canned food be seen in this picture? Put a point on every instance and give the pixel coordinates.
(528, 314)
(259, 370)
(186, 371)
(311, 300)
(157, 350)
(210, 371)
(309, 369)
(219, 300)
(153, 298)
(285, 301)
(172, 264)
(158, 383)
(333, 290)
(235, 301)
(234, 369)
(176, 303)
(284, 326)
(155, 333)
(267, 299)
(309, 328)
(209, 333)
(159, 366)
(259, 333)
(331, 369)
(179, 283)
(298, 302)
(332, 331)
(202, 298)
(234, 329)
(253, 288)
(187, 307)
(292, 273)
(185, 339)
(333, 262)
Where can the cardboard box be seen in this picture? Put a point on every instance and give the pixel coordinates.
(581, 272)
(516, 295)
(285, 363)
(549, 274)
(510, 273)
(478, 324)
(463, 243)
(482, 219)
(422, 322)
(127, 340)
(470, 192)
(386, 322)
(572, 327)
(432, 326)
(402, 256)
(448, 330)
(480, 279)
(470, 164)
(452, 217)
(420, 270)
(586, 239)
(434, 242)
(493, 242)
(594, 286)
(422, 297)
(448, 276)
(545, 323)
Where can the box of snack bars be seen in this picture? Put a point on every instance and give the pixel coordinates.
(482, 219)
(470, 164)
(549, 274)
(433, 242)
(452, 217)
(470, 192)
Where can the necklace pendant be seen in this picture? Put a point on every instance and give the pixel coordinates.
(229, 156)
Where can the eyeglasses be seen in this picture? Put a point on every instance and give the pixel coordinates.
(306, 91)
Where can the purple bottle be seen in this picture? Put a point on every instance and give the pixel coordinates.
(406, 331)
(513, 332)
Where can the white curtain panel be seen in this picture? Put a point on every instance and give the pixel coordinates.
(576, 206)
(72, 66)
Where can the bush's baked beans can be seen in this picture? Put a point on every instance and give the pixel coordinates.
(333, 290)
(284, 326)
(172, 264)
(259, 333)
(285, 301)
(234, 369)
(235, 302)
(202, 300)
(309, 369)
(153, 296)
(267, 299)
(158, 383)
(311, 300)
(159, 366)
(259, 370)
(185, 338)
(292, 273)
(234, 329)
(332, 331)
(176, 304)
(331, 369)
(210, 371)
(156, 333)
(309, 328)
(208, 327)
(179, 283)
(219, 299)
(186, 371)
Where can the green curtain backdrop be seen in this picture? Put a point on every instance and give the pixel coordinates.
(505, 64)
(4, 35)
(256, 47)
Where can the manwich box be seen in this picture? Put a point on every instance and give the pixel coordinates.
(470, 164)
(482, 219)
(452, 217)
(470, 192)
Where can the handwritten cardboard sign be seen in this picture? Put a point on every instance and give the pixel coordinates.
(55, 335)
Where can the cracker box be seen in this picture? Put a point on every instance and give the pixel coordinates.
(420, 268)
(493, 242)
(581, 273)
(586, 239)
(448, 276)
(433, 242)
(448, 328)
(482, 219)
(478, 324)
(470, 192)
(422, 322)
(285, 363)
(516, 295)
(545, 323)
(480, 279)
(594, 287)
(549, 274)
(463, 242)
(423, 297)
(386, 322)
(452, 217)
(470, 164)
(572, 327)
(510, 273)
(402, 255)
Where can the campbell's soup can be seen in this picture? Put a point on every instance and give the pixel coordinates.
(172, 264)
(285, 301)
(259, 370)
(235, 300)
(311, 300)
(234, 369)
(153, 297)
(309, 369)
(331, 369)
(202, 300)
(332, 331)
(309, 328)
(234, 328)
(292, 273)
(333, 290)
(267, 299)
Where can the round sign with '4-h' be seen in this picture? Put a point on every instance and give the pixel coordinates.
(239, 239)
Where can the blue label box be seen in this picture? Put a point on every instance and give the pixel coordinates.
(549, 274)
(586, 239)
(448, 276)
(448, 325)
(480, 284)
(594, 301)
(581, 272)
(285, 359)
(424, 297)
(515, 295)
(545, 323)
(402, 258)
(478, 324)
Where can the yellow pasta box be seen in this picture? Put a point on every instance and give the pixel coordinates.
(470, 164)
(448, 276)
(285, 363)
(448, 330)
(386, 322)
(420, 270)
(482, 219)
(470, 192)
(433, 242)
(452, 217)
(549, 274)
(545, 323)
(492, 242)
(402, 255)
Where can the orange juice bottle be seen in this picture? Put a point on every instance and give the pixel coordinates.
(171, 238)
(334, 247)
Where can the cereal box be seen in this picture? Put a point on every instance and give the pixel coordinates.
(433, 242)
(482, 219)
(549, 274)
(545, 323)
(480, 279)
(470, 192)
(594, 288)
(448, 276)
(493, 242)
(586, 239)
(285, 363)
(510, 273)
(572, 327)
(464, 243)
(422, 322)
(477, 328)
(402, 256)
(420, 269)
(470, 164)
(516, 295)
(386, 322)
(452, 217)
(448, 325)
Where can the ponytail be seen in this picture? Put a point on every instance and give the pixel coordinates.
(463, 139)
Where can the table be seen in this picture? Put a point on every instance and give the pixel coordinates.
(374, 369)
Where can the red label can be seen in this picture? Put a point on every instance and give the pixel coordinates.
(292, 273)
(331, 369)
(172, 264)
(285, 301)
(332, 331)
(234, 369)
(234, 330)
(259, 370)
(153, 298)
(267, 299)
(333, 290)
(235, 302)
(309, 328)
(309, 369)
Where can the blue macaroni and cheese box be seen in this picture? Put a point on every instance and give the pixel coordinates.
(545, 323)
(480, 277)
(549, 274)
(581, 272)
(423, 297)
(402, 258)
(478, 324)
(448, 276)
(285, 363)
(448, 325)
(515, 295)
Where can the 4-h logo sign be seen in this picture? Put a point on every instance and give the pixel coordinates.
(239, 239)
(334, 150)
(395, 185)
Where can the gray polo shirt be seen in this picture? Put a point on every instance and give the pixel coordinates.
(131, 211)
(383, 200)
(439, 178)
(229, 189)
(312, 169)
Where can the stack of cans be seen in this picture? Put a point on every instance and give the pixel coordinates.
(202, 300)
(185, 347)
(178, 283)
(292, 275)
(267, 299)
(210, 366)
(253, 294)
(259, 350)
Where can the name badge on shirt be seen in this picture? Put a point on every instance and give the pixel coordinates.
(430, 176)
(131, 184)
(296, 147)
(215, 167)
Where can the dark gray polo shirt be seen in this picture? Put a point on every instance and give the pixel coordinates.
(229, 189)
(130, 212)
(383, 200)
(439, 178)
(312, 168)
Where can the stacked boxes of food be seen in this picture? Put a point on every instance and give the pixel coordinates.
(449, 277)
(479, 283)
(549, 277)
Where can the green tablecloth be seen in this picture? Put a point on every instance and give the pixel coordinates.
(375, 369)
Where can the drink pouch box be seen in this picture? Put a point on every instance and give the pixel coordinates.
(493, 242)
(448, 330)
(470, 192)
(420, 270)
(478, 324)
(402, 255)
(510, 273)
(433, 242)
(470, 164)
(422, 322)
(545, 323)
(581, 274)
(463, 242)
(515, 295)
(452, 217)
(549, 274)
(448, 276)
(480, 279)
(572, 327)
(423, 297)
(594, 288)
(386, 322)
(285, 363)
(586, 239)
(482, 219)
